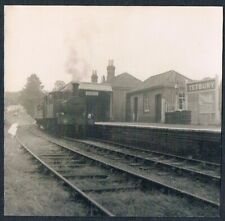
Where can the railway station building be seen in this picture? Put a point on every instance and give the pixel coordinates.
(121, 85)
(160, 99)
(172, 98)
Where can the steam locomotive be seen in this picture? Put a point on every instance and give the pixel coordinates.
(72, 110)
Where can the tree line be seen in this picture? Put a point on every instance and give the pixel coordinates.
(31, 95)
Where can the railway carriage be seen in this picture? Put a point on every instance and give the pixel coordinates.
(72, 110)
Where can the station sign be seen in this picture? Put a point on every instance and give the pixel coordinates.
(91, 93)
(201, 85)
(204, 93)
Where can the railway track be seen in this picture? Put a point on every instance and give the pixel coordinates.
(106, 178)
(157, 153)
(166, 188)
(201, 169)
(206, 187)
(95, 208)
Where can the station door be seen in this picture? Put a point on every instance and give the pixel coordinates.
(135, 109)
(158, 107)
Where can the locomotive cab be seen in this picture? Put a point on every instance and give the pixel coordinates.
(87, 103)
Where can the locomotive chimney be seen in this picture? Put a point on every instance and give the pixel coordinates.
(94, 77)
(110, 71)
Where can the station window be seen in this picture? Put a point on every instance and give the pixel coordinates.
(146, 103)
(181, 101)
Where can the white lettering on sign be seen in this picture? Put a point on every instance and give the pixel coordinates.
(91, 93)
(201, 85)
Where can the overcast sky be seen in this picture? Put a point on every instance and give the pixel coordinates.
(57, 41)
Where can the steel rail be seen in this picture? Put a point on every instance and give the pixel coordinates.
(189, 172)
(133, 174)
(58, 175)
(157, 152)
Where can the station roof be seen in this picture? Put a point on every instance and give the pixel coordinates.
(125, 80)
(94, 86)
(166, 79)
(86, 86)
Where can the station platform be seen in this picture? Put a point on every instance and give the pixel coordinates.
(179, 127)
(198, 142)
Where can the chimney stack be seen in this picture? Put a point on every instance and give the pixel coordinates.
(110, 71)
(94, 77)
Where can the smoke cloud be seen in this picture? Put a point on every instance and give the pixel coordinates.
(76, 66)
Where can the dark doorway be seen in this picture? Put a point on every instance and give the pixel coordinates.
(135, 108)
(158, 107)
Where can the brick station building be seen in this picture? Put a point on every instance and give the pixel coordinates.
(173, 98)
(169, 97)
(155, 97)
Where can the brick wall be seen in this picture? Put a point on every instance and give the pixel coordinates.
(195, 144)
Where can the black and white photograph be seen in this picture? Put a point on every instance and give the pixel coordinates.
(112, 111)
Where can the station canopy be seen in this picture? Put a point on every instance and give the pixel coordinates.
(87, 86)
(94, 86)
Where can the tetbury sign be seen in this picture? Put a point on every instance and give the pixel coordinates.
(201, 85)
(203, 97)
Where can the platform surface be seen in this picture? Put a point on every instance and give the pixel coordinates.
(207, 128)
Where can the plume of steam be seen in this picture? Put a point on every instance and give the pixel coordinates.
(76, 66)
